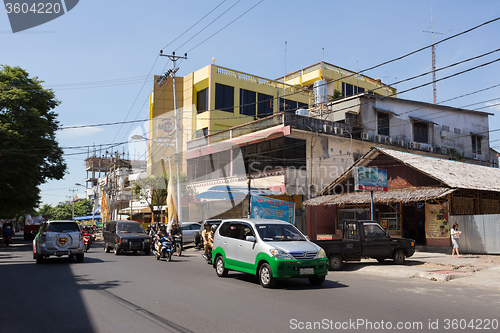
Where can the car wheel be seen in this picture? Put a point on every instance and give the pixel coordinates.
(106, 247)
(399, 257)
(335, 262)
(317, 280)
(197, 239)
(116, 250)
(219, 267)
(168, 256)
(380, 259)
(79, 257)
(266, 278)
(39, 259)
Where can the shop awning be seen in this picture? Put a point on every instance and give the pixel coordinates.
(88, 217)
(422, 120)
(391, 196)
(386, 111)
(226, 192)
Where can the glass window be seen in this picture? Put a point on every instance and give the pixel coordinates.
(476, 144)
(224, 229)
(265, 106)
(202, 100)
(235, 230)
(130, 228)
(224, 97)
(347, 89)
(287, 105)
(373, 231)
(64, 226)
(279, 232)
(383, 123)
(420, 132)
(247, 102)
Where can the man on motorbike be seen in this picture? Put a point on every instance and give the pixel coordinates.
(159, 235)
(207, 237)
(174, 231)
(7, 233)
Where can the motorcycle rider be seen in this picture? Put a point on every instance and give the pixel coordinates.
(159, 235)
(174, 231)
(207, 237)
(7, 233)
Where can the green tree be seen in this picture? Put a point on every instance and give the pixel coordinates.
(65, 211)
(46, 210)
(29, 152)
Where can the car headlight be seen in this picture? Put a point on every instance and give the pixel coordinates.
(147, 240)
(321, 254)
(280, 254)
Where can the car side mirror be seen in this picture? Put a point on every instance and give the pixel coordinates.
(250, 238)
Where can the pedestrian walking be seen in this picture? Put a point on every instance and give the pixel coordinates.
(455, 235)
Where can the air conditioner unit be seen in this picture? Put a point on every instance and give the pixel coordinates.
(475, 156)
(444, 151)
(387, 140)
(411, 145)
(430, 149)
(379, 138)
(444, 134)
(401, 143)
(419, 145)
(365, 136)
(338, 130)
(328, 128)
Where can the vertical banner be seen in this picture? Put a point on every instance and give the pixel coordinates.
(436, 221)
(267, 208)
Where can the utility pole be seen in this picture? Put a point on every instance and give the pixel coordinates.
(73, 203)
(174, 58)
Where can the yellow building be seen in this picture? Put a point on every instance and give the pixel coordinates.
(215, 98)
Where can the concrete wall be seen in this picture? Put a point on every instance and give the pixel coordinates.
(480, 233)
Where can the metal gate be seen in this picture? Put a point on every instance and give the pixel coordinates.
(480, 233)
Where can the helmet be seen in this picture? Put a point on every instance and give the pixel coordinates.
(214, 227)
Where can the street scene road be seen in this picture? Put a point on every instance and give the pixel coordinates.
(136, 293)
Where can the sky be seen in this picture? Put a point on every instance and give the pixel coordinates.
(100, 57)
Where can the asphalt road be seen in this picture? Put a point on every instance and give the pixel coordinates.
(135, 293)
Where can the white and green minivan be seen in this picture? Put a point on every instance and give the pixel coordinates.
(270, 249)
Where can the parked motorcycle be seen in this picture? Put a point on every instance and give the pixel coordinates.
(163, 249)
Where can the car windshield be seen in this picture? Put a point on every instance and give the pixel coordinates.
(64, 226)
(129, 227)
(279, 232)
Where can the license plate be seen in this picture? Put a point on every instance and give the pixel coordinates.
(306, 271)
(61, 253)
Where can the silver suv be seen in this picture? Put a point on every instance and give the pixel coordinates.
(58, 238)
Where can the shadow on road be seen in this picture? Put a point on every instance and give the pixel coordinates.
(288, 284)
(355, 266)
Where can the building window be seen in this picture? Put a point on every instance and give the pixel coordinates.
(224, 97)
(287, 105)
(265, 106)
(202, 100)
(476, 144)
(420, 132)
(347, 89)
(247, 102)
(358, 90)
(383, 123)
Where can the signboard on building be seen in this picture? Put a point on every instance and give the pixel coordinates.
(267, 208)
(436, 221)
(370, 179)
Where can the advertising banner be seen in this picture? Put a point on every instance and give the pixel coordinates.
(436, 221)
(267, 208)
(370, 179)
